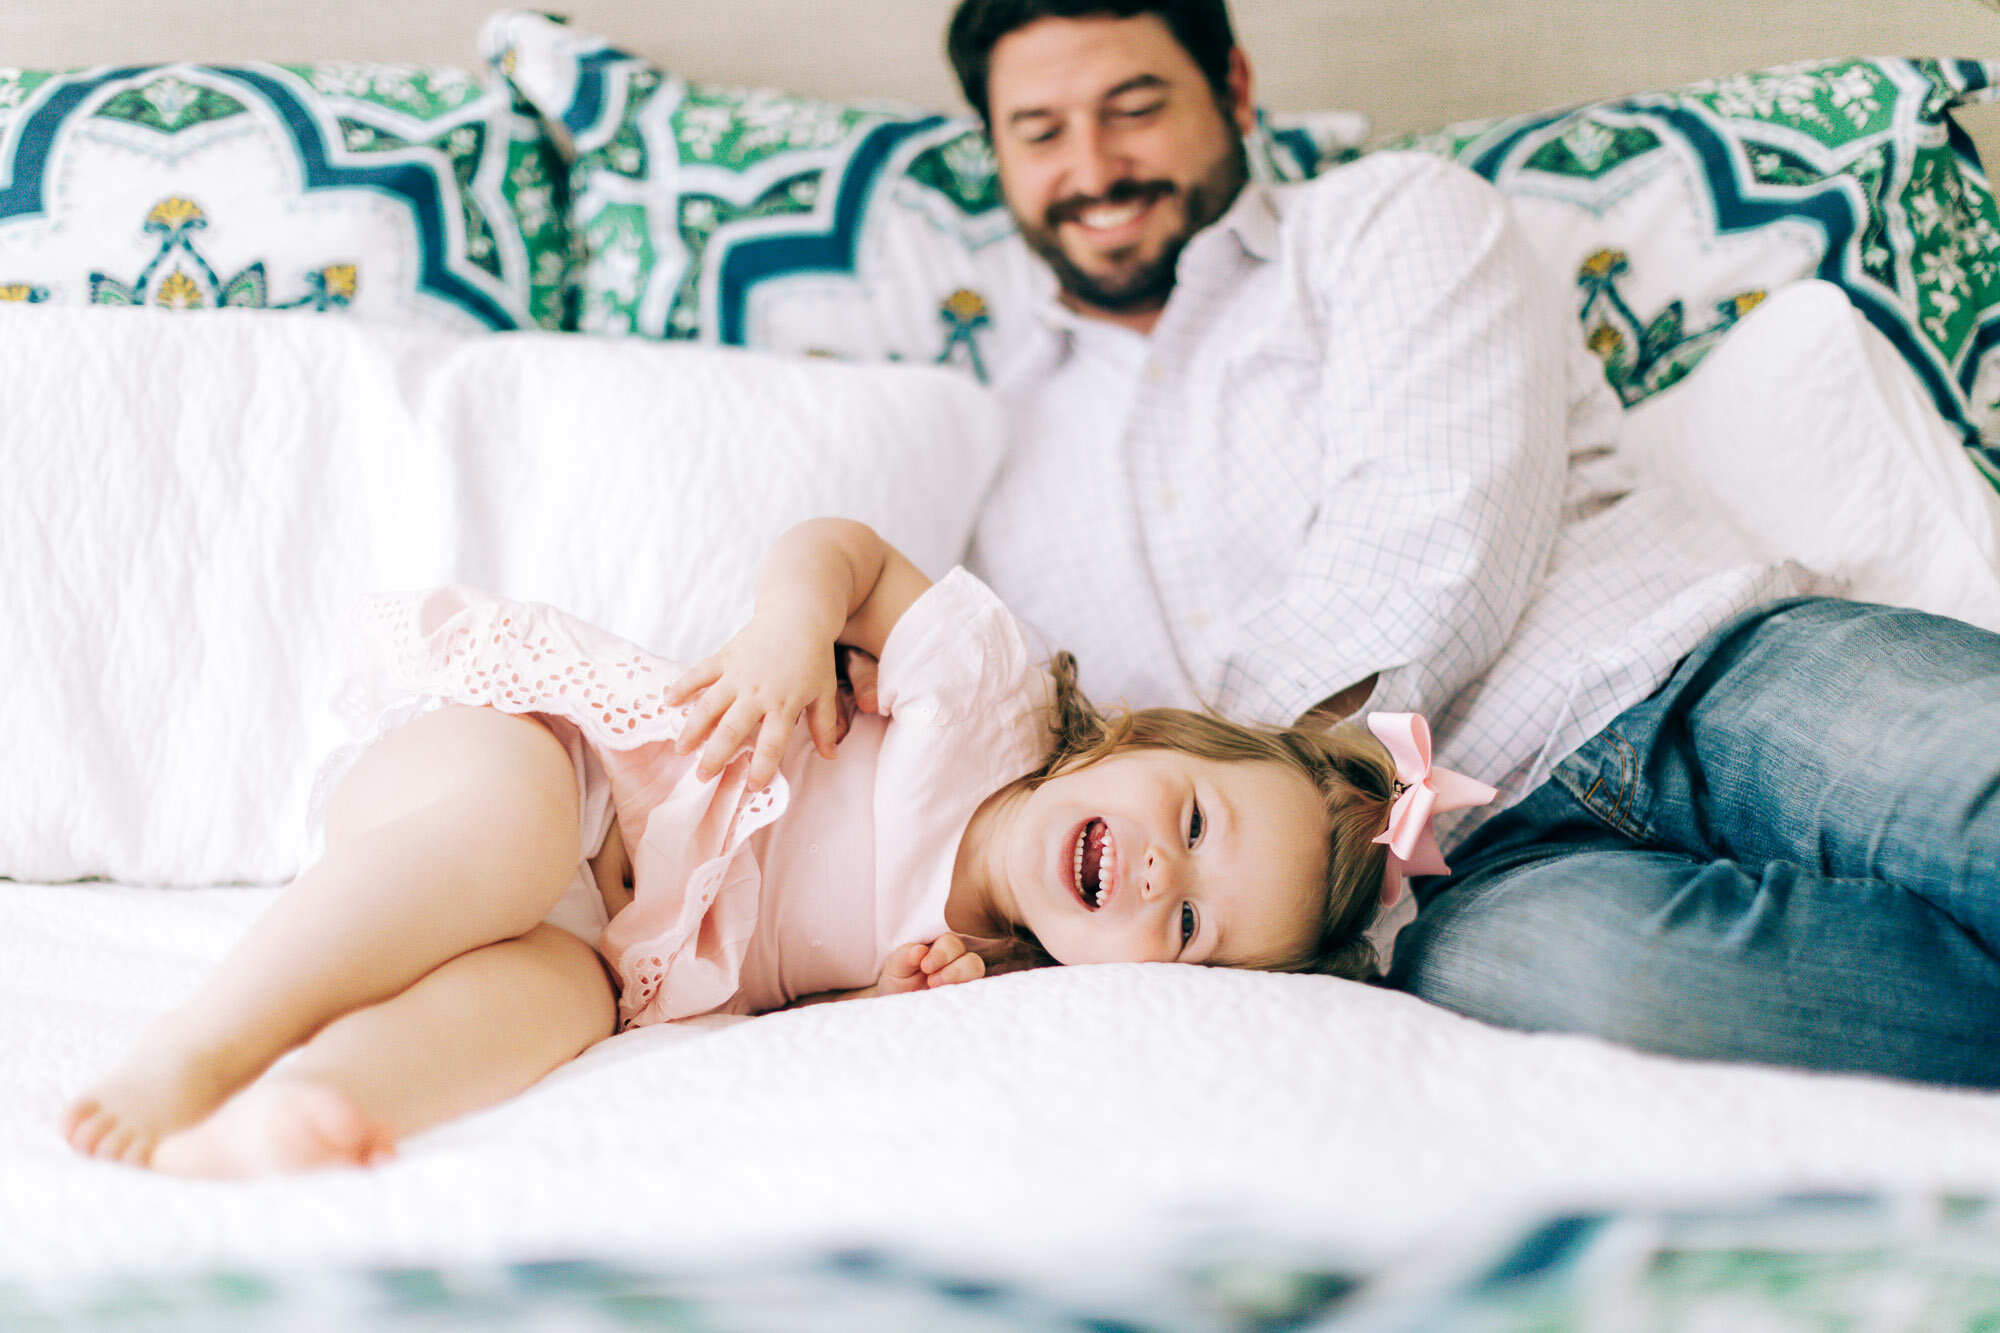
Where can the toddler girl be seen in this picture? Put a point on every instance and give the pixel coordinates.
(567, 834)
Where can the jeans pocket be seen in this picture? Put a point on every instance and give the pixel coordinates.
(1604, 778)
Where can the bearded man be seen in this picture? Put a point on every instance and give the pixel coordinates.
(1337, 446)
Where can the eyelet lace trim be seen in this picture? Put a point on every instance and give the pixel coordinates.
(493, 653)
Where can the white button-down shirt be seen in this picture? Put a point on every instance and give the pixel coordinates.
(1363, 439)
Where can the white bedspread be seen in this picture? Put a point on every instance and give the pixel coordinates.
(1075, 1125)
(188, 502)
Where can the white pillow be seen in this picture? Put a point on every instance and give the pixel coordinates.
(194, 500)
(1807, 433)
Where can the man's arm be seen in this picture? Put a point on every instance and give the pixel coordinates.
(1444, 405)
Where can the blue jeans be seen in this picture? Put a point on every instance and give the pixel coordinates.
(1790, 854)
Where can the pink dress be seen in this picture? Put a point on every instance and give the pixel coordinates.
(745, 900)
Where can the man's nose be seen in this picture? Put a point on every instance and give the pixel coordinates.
(1093, 165)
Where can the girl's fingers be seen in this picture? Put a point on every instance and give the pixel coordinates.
(943, 951)
(906, 963)
(726, 740)
(702, 716)
(861, 674)
(772, 738)
(772, 729)
(694, 680)
(843, 715)
(823, 723)
(967, 967)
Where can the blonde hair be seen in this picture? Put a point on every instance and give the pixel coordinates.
(1348, 767)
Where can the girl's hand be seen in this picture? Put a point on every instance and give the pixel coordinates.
(776, 669)
(945, 961)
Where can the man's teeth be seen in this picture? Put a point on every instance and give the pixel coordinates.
(1104, 217)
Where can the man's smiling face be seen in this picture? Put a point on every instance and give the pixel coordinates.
(1114, 150)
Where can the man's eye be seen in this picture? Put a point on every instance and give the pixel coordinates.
(1188, 923)
(1135, 112)
(1196, 825)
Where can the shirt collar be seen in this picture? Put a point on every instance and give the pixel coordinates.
(1253, 219)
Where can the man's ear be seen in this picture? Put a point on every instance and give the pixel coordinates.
(1240, 106)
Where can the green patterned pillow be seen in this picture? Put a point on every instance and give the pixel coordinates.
(1676, 212)
(870, 231)
(415, 194)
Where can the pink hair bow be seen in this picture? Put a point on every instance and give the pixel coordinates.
(1422, 794)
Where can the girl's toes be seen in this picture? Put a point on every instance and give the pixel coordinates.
(99, 1134)
(73, 1118)
(83, 1126)
(124, 1144)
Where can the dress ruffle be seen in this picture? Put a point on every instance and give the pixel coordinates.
(678, 948)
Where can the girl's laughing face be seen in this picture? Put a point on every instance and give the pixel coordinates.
(1162, 856)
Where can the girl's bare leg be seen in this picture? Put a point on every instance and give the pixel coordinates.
(477, 1030)
(456, 831)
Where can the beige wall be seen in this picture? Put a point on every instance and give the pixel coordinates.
(1410, 64)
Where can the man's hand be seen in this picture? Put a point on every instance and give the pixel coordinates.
(945, 961)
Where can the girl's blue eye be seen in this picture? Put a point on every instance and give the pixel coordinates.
(1188, 923)
(1196, 825)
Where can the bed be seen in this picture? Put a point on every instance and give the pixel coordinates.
(489, 312)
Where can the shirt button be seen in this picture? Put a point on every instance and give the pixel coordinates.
(812, 846)
(1155, 372)
(1167, 497)
(1198, 619)
(815, 944)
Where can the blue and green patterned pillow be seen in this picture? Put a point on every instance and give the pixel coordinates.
(757, 218)
(416, 194)
(1676, 212)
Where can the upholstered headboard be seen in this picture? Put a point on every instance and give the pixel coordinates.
(1409, 64)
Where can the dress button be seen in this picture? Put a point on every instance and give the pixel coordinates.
(1155, 372)
(1198, 619)
(815, 944)
(812, 846)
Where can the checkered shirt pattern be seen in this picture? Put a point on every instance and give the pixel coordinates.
(1363, 439)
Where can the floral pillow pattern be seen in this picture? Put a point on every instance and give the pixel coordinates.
(416, 194)
(1677, 212)
(751, 217)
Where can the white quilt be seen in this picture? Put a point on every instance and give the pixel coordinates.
(1074, 1126)
(192, 502)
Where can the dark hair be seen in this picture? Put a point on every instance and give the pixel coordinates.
(1351, 770)
(1200, 26)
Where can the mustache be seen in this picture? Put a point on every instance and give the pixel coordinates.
(1121, 192)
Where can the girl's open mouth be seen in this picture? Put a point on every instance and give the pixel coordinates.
(1095, 857)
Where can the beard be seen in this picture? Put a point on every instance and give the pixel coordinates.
(1138, 282)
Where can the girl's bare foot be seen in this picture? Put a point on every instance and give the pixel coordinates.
(278, 1125)
(161, 1087)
